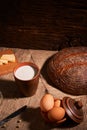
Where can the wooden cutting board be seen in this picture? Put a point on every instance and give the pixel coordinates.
(7, 68)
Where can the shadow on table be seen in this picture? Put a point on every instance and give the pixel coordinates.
(36, 122)
(44, 72)
(9, 89)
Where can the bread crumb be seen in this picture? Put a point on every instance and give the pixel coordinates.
(17, 126)
(3, 126)
(19, 121)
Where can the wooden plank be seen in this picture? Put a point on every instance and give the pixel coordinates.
(43, 24)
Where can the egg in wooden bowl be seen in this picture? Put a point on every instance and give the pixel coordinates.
(51, 109)
(57, 111)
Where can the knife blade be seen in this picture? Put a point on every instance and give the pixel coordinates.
(12, 115)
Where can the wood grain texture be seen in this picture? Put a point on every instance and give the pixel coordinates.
(31, 119)
(43, 24)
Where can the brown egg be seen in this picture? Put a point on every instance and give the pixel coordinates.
(47, 102)
(56, 114)
(57, 103)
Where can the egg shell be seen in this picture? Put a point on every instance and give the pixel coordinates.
(57, 103)
(56, 114)
(47, 102)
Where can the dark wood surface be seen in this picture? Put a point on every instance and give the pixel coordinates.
(31, 119)
(43, 24)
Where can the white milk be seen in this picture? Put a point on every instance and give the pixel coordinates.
(25, 72)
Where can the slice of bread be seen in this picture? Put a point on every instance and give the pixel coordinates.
(8, 57)
(3, 62)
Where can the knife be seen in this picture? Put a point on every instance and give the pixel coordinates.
(12, 115)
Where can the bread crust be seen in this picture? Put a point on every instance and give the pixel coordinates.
(67, 69)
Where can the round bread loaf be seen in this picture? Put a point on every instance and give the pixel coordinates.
(67, 69)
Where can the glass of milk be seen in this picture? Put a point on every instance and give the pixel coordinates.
(26, 75)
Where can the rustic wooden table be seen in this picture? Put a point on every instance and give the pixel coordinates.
(31, 118)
